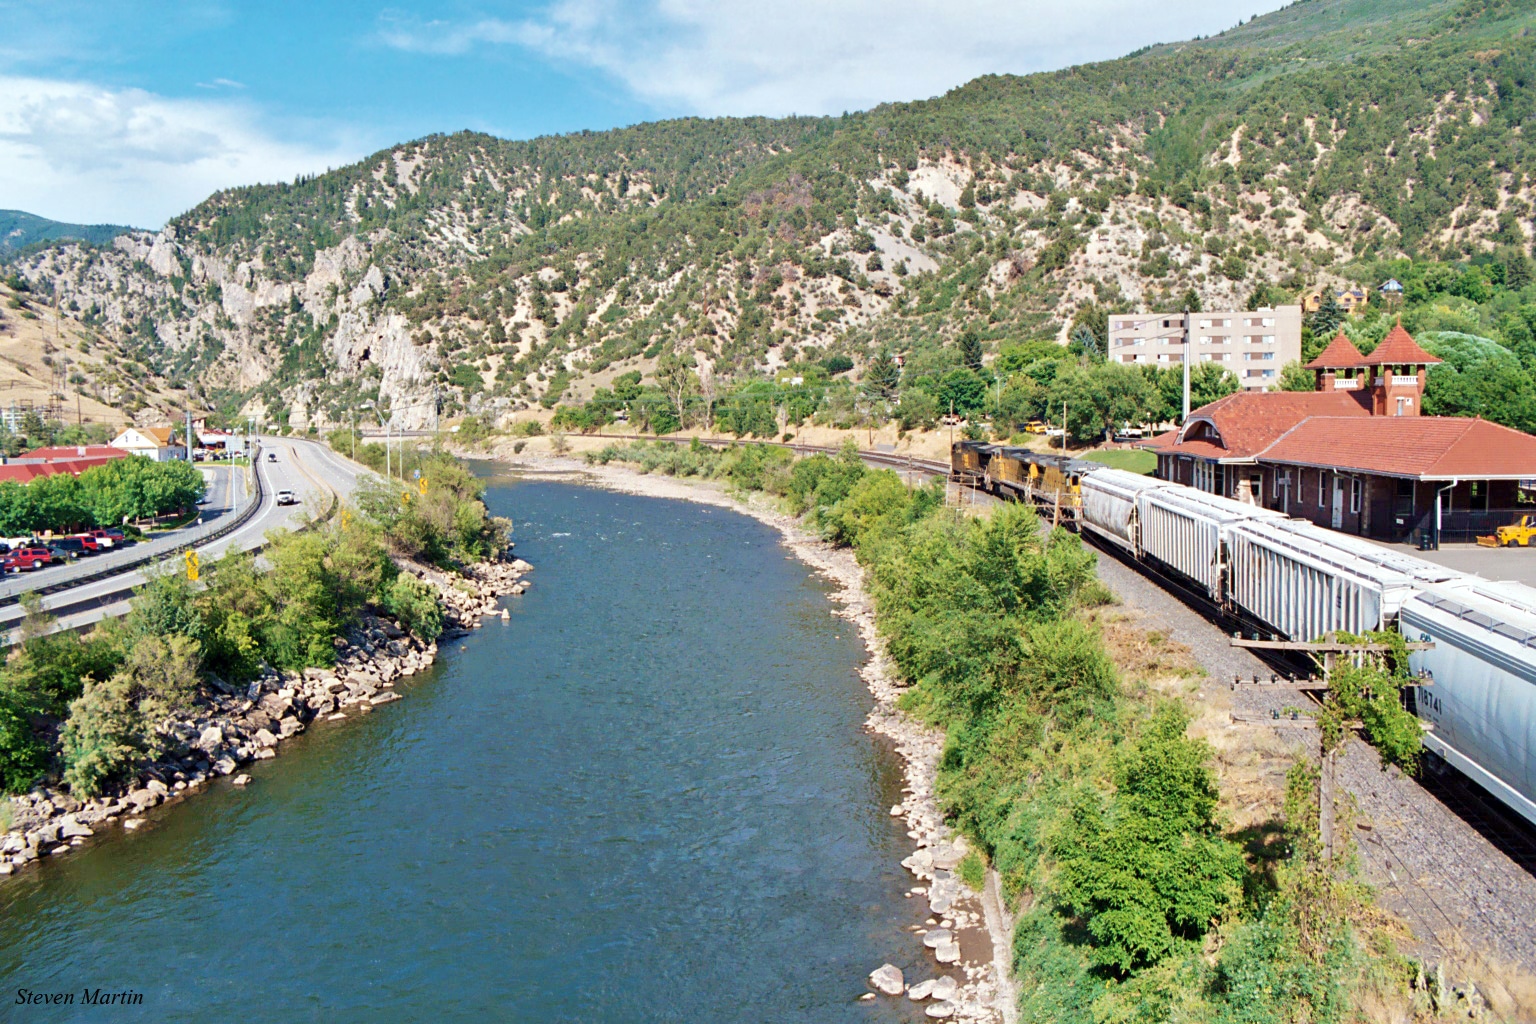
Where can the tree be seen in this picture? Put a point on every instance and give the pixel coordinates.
(1479, 378)
(1295, 377)
(1190, 301)
(1324, 322)
(1265, 296)
(1208, 382)
(1091, 321)
(962, 390)
(1099, 398)
(675, 377)
(114, 724)
(883, 375)
(970, 349)
(1148, 870)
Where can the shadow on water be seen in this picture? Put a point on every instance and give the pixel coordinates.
(647, 796)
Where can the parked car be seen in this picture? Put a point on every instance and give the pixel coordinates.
(103, 538)
(70, 547)
(29, 558)
(286, 498)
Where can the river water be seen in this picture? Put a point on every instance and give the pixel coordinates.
(646, 797)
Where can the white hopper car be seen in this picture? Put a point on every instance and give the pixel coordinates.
(1301, 581)
(1483, 666)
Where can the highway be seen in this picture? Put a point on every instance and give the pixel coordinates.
(315, 474)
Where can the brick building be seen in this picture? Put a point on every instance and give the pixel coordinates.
(1355, 454)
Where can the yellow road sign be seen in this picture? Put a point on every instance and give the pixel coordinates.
(192, 565)
(422, 485)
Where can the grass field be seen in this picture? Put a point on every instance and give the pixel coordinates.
(1132, 460)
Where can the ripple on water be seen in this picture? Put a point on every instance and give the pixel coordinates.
(647, 796)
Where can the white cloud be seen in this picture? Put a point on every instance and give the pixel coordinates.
(776, 57)
(79, 152)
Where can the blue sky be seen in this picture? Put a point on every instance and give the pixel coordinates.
(133, 111)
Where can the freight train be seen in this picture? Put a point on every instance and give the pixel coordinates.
(1296, 581)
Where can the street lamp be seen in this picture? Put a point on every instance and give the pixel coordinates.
(365, 405)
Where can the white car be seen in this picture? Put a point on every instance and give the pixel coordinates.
(286, 498)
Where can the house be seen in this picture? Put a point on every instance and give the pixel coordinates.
(158, 443)
(221, 441)
(1252, 343)
(1392, 288)
(1355, 454)
(1349, 300)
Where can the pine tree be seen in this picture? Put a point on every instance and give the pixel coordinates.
(883, 376)
(970, 349)
(1325, 321)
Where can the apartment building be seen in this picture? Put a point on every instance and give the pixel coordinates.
(1252, 343)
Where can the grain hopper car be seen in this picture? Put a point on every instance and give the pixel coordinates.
(1297, 581)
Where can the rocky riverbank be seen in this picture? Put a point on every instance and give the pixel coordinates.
(966, 935)
(230, 727)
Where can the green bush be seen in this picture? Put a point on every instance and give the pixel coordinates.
(415, 604)
(112, 726)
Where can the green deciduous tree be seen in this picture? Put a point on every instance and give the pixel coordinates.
(113, 725)
(1147, 870)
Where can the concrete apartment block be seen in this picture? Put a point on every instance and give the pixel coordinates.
(1252, 343)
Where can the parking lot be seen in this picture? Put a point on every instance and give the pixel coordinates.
(1518, 564)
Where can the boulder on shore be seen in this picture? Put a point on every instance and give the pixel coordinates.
(887, 979)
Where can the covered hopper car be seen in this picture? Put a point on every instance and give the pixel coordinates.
(1298, 581)
(1483, 667)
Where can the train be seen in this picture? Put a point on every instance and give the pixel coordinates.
(1290, 579)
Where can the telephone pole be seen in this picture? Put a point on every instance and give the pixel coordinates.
(1186, 365)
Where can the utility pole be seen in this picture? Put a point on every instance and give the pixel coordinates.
(1186, 366)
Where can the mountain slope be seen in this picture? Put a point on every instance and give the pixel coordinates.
(19, 230)
(466, 271)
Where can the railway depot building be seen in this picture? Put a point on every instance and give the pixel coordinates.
(1355, 454)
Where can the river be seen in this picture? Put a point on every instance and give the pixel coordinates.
(645, 797)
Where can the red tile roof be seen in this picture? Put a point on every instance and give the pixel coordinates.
(1340, 354)
(1248, 422)
(1427, 447)
(27, 473)
(89, 451)
(1398, 347)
